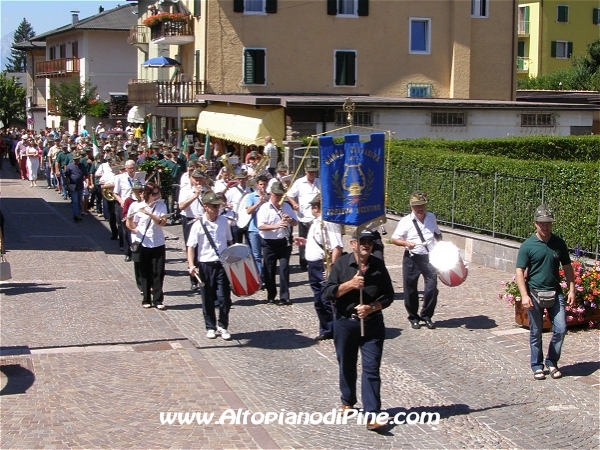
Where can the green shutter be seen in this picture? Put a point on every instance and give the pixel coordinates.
(521, 48)
(596, 17)
(569, 49)
(563, 14)
(271, 6)
(196, 8)
(238, 6)
(553, 49)
(340, 68)
(332, 7)
(363, 7)
(259, 67)
(351, 68)
(248, 67)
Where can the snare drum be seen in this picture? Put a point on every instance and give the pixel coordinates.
(239, 266)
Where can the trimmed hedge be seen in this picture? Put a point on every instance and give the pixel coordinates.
(468, 181)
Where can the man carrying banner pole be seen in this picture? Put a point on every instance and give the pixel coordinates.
(359, 284)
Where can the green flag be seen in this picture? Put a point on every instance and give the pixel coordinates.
(95, 144)
(149, 132)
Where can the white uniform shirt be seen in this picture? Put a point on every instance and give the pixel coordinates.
(304, 193)
(220, 186)
(271, 152)
(234, 196)
(219, 230)
(195, 209)
(184, 180)
(268, 215)
(123, 185)
(108, 177)
(332, 232)
(155, 236)
(406, 231)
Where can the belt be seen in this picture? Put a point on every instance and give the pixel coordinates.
(356, 318)
(276, 242)
(211, 263)
(407, 254)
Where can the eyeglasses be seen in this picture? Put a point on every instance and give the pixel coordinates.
(155, 194)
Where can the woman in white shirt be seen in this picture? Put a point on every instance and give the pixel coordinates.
(33, 161)
(146, 227)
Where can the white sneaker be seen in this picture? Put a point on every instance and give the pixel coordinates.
(211, 334)
(224, 333)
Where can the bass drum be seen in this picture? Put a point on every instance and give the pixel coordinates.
(243, 218)
(241, 271)
(446, 259)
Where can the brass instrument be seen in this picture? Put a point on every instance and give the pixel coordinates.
(258, 170)
(224, 159)
(108, 192)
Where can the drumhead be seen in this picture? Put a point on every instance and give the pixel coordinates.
(243, 218)
(235, 253)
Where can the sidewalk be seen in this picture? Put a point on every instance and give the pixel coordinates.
(84, 366)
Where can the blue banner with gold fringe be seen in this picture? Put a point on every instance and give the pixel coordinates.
(352, 179)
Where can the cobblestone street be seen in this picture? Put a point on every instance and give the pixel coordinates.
(83, 365)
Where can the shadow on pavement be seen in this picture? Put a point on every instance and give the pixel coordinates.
(283, 339)
(580, 369)
(27, 288)
(392, 333)
(19, 379)
(472, 323)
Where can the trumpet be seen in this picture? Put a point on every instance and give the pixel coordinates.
(258, 170)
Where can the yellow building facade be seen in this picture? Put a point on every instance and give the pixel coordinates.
(551, 32)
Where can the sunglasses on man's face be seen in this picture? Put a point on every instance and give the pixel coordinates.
(367, 242)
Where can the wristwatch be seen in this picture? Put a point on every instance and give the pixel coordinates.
(373, 308)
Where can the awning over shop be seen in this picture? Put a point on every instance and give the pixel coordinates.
(243, 124)
(136, 114)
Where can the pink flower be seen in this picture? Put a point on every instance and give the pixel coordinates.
(517, 299)
(563, 284)
(503, 283)
(569, 318)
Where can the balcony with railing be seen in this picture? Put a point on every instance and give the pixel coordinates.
(52, 107)
(172, 32)
(138, 34)
(64, 67)
(163, 93)
(522, 64)
(523, 28)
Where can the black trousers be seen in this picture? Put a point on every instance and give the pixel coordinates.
(413, 267)
(323, 306)
(186, 225)
(112, 218)
(152, 273)
(121, 229)
(275, 250)
(303, 232)
(216, 293)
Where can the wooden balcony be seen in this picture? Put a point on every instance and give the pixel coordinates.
(172, 33)
(164, 93)
(64, 67)
(138, 34)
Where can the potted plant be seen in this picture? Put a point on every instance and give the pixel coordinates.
(155, 19)
(587, 297)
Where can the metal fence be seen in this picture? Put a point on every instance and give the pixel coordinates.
(496, 204)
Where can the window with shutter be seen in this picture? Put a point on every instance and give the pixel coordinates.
(348, 7)
(197, 11)
(254, 66)
(561, 49)
(562, 13)
(596, 16)
(345, 68)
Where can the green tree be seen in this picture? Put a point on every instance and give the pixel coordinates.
(73, 99)
(584, 74)
(17, 61)
(12, 100)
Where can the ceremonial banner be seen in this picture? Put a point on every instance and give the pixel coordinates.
(352, 178)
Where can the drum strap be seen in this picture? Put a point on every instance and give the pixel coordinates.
(210, 239)
(420, 233)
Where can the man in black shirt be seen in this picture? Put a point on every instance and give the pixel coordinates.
(75, 173)
(352, 274)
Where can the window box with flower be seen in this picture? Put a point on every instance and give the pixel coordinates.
(161, 17)
(587, 297)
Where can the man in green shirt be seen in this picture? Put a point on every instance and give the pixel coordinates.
(538, 262)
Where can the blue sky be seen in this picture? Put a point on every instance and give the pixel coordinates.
(47, 15)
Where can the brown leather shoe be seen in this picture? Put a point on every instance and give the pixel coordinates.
(345, 407)
(372, 425)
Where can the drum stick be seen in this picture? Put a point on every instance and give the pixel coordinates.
(200, 283)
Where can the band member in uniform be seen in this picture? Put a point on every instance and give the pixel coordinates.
(254, 202)
(360, 287)
(122, 191)
(282, 171)
(132, 204)
(303, 190)
(274, 220)
(146, 226)
(324, 246)
(209, 237)
(185, 178)
(234, 197)
(107, 180)
(192, 209)
(223, 182)
(418, 233)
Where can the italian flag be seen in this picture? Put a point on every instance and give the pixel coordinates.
(95, 144)
(149, 132)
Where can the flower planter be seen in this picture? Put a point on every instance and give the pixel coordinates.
(522, 318)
